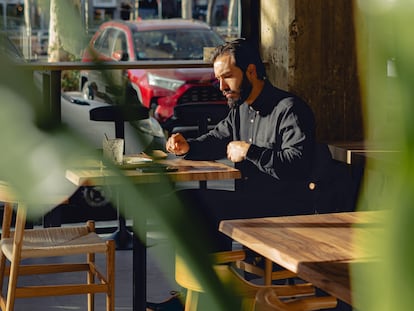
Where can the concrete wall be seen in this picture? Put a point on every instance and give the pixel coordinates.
(309, 46)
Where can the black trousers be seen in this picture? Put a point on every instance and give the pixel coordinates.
(205, 208)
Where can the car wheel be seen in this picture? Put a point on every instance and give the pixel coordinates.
(89, 90)
(96, 196)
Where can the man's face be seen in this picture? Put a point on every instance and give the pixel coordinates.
(233, 82)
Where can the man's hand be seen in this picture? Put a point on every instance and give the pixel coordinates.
(177, 144)
(237, 150)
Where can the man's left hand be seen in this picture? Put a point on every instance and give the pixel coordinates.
(237, 150)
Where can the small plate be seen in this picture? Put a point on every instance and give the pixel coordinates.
(131, 162)
(136, 160)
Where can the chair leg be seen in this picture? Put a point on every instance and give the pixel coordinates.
(14, 266)
(90, 257)
(191, 301)
(7, 216)
(11, 289)
(268, 271)
(91, 280)
(2, 270)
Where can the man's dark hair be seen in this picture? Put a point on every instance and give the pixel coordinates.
(244, 53)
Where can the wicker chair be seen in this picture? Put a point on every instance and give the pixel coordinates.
(49, 242)
(226, 270)
(268, 299)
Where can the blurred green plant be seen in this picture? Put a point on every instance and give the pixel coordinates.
(35, 160)
(39, 151)
(386, 63)
(70, 80)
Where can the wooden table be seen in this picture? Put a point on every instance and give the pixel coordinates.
(184, 170)
(369, 163)
(356, 152)
(319, 248)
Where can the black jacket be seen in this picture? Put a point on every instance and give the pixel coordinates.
(281, 130)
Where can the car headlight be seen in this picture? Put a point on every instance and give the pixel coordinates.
(165, 83)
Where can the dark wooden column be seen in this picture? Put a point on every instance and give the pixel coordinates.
(250, 10)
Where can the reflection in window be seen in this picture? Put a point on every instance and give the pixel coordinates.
(222, 15)
(101, 15)
(174, 44)
(12, 16)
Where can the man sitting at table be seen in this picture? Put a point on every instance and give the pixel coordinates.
(270, 136)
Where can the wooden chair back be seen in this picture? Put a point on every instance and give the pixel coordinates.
(18, 243)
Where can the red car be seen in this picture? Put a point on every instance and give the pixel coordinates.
(158, 89)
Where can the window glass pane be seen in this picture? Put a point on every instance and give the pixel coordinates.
(179, 44)
(2, 17)
(223, 16)
(14, 16)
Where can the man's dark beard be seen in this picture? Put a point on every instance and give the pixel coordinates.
(245, 89)
(232, 103)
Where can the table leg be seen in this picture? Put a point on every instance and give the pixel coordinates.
(139, 276)
(203, 184)
(122, 236)
(139, 255)
(268, 271)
